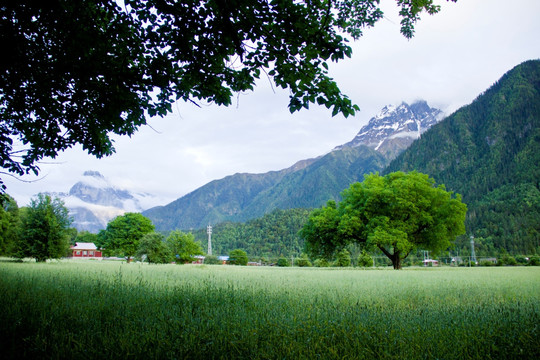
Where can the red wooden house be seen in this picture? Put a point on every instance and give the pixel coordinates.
(85, 250)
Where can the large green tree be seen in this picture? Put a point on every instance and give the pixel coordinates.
(154, 248)
(238, 257)
(9, 224)
(124, 233)
(397, 213)
(77, 71)
(183, 246)
(45, 229)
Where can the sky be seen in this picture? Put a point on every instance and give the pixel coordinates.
(455, 56)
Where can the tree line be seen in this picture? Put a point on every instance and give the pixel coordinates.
(43, 231)
(394, 215)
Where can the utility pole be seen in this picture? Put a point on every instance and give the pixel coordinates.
(209, 232)
(473, 255)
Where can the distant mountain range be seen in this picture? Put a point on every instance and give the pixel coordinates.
(92, 202)
(488, 151)
(309, 183)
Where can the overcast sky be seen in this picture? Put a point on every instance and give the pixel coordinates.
(454, 56)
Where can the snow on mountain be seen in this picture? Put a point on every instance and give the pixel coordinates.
(396, 127)
(93, 201)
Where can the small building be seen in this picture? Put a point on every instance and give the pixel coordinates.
(85, 250)
(431, 262)
(199, 259)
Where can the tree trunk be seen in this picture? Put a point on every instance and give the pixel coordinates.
(395, 257)
(396, 262)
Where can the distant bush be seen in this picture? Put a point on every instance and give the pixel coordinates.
(508, 260)
(238, 257)
(534, 261)
(282, 262)
(211, 260)
(343, 258)
(521, 260)
(303, 261)
(321, 263)
(364, 259)
(486, 263)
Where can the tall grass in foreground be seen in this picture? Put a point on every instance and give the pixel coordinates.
(110, 310)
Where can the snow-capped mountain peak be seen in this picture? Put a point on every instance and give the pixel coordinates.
(394, 128)
(93, 201)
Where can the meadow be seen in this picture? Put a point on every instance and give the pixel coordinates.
(90, 310)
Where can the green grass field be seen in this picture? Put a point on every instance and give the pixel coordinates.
(114, 310)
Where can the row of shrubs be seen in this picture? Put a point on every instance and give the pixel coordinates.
(512, 261)
(343, 259)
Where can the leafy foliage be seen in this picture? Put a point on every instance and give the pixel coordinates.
(153, 246)
(321, 230)
(238, 257)
(45, 229)
(183, 246)
(283, 262)
(321, 263)
(86, 237)
(396, 213)
(303, 261)
(212, 260)
(364, 259)
(343, 258)
(78, 71)
(489, 151)
(124, 233)
(9, 224)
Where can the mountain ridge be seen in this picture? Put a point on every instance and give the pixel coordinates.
(93, 201)
(308, 183)
(394, 128)
(489, 151)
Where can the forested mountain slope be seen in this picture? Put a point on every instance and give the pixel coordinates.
(217, 201)
(316, 184)
(489, 151)
(242, 197)
(272, 235)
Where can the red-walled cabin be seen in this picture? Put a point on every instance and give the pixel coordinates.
(85, 250)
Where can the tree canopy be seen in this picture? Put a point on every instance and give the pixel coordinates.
(238, 257)
(124, 233)
(154, 248)
(45, 229)
(77, 71)
(183, 246)
(397, 213)
(9, 224)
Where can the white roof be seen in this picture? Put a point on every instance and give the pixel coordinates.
(84, 246)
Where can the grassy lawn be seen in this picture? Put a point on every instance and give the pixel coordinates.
(115, 310)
